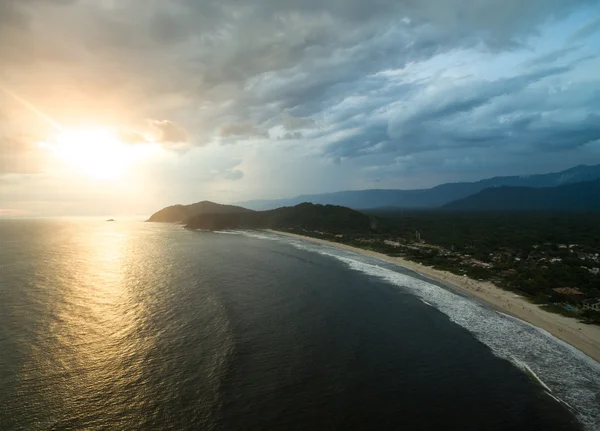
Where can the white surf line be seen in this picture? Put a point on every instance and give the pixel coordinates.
(256, 234)
(561, 401)
(529, 371)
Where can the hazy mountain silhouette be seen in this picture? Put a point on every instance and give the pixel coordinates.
(433, 197)
(182, 213)
(584, 196)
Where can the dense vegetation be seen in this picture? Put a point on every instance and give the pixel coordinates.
(330, 218)
(490, 231)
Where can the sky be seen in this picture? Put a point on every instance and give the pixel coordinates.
(123, 107)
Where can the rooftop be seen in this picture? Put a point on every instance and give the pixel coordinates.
(568, 291)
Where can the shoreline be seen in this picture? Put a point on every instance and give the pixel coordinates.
(585, 338)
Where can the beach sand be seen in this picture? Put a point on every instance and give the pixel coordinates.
(585, 338)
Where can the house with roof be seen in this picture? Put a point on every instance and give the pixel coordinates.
(591, 304)
(569, 294)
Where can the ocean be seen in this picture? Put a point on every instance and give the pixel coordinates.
(141, 326)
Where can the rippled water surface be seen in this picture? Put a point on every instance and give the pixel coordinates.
(137, 326)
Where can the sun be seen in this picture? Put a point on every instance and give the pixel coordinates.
(95, 152)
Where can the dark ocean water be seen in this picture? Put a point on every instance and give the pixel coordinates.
(136, 326)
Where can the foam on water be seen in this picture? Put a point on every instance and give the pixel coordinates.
(527, 368)
(567, 374)
(260, 235)
(523, 366)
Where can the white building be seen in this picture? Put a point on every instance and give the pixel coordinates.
(591, 304)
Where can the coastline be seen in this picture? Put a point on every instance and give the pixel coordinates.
(585, 338)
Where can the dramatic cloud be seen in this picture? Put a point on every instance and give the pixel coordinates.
(587, 30)
(293, 135)
(552, 56)
(167, 132)
(294, 123)
(398, 93)
(242, 130)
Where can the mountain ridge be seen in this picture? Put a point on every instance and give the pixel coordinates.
(582, 196)
(433, 197)
(182, 213)
(303, 216)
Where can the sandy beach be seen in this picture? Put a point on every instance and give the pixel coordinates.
(585, 338)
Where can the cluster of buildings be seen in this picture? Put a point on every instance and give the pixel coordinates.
(576, 296)
(541, 255)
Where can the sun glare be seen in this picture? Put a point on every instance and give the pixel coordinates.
(95, 152)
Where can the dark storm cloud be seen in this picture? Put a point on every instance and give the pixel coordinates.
(232, 70)
(476, 127)
(314, 49)
(294, 123)
(552, 56)
(587, 30)
(466, 99)
(214, 42)
(560, 135)
(367, 139)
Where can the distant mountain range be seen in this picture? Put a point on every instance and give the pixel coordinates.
(183, 213)
(576, 189)
(304, 216)
(434, 197)
(584, 196)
